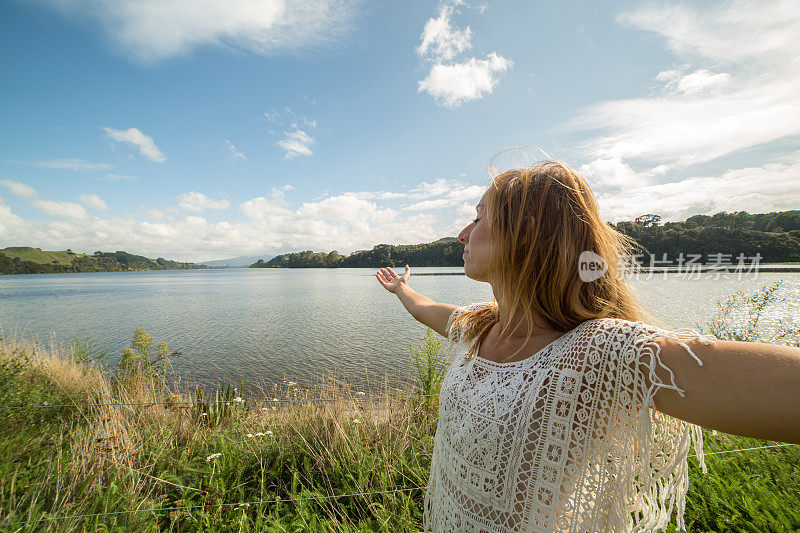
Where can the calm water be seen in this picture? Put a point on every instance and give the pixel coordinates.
(264, 325)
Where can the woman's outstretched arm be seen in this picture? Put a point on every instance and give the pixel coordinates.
(745, 388)
(423, 309)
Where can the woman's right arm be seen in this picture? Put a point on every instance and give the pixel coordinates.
(423, 309)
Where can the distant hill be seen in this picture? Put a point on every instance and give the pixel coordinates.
(241, 261)
(443, 252)
(28, 260)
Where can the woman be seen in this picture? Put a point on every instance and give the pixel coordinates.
(565, 407)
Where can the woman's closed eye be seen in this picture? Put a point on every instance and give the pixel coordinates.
(476, 220)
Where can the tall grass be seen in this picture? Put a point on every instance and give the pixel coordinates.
(210, 447)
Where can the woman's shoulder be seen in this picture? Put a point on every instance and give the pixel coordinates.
(620, 329)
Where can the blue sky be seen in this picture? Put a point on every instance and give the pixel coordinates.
(211, 129)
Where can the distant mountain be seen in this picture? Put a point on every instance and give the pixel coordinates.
(28, 260)
(241, 261)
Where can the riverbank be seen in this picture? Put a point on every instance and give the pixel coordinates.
(187, 463)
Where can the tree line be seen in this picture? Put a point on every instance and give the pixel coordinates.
(775, 236)
(99, 262)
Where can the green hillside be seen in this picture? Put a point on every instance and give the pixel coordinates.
(28, 260)
(37, 255)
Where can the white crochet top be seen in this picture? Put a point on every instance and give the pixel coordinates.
(566, 440)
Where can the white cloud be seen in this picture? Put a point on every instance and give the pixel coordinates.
(145, 143)
(93, 201)
(19, 189)
(260, 208)
(198, 202)
(612, 172)
(770, 187)
(452, 82)
(235, 154)
(152, 30)
(296, 143)
(345, 222)
(69, 210)
(702, 80)
(279, 192)
(737, 87)
(440, 40)
(70, 164)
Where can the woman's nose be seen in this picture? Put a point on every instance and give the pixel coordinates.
(463, 235)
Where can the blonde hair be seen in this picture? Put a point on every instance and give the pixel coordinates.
(540, 219)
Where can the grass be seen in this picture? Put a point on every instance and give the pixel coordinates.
(35, 255)
(204, 449)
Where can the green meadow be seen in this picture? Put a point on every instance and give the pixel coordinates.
(188, 463)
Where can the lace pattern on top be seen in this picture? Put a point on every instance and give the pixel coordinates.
(566, 440)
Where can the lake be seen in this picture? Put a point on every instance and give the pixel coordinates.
(266, 325)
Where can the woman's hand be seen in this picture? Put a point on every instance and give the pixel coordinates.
(390, 280)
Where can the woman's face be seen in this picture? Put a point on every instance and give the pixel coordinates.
(476, 246)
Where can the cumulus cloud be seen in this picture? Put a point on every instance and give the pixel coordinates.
(613, 173)
(93, 201)
(234, 153)
(449, 81)
(456, 83)
(260, 208)
(147, 147)
(152, 30)
(70, 164)
(347, 222)
(198, 202)
(441, 40)
(296, 143)
(68, 210)
(757, 189)
(19, 189)
(729, 94)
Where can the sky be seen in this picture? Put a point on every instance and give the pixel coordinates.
(212, 129)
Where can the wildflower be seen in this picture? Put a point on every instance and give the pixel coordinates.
(361, 393)
(250, 435)
(269, 432)
(291, 383)
(264, 409)
(213, 456)
(237, 400)
(275, 400)
(356, 421)
(203, 414)
(242, 506)
(714, 432)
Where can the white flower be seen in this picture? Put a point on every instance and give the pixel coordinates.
(269, 432)
(356, 421)
(250, 435)
(714, 432)
(264, 409)
(203, 414)
(213, 456)
(361, 393)
(237, 400)
(291, 383)
(259, 434)
(275, 400)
